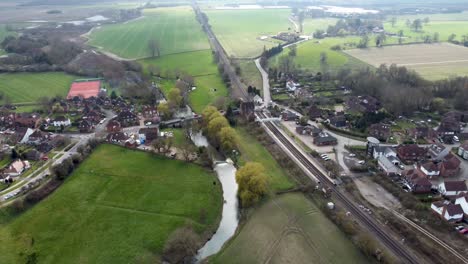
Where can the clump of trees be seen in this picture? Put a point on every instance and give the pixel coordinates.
(218, 130)
(181, 246)
(253, 183)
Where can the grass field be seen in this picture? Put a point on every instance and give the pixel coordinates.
(118, 207)
(250, 74)
(295, 232)
(239, 30)
(310, 25)
(29, 87)
(432, 61)
(308, 55)
(198, 64)
(175, 29)
(251, 150)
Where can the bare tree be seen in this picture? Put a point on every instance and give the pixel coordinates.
(154, 48)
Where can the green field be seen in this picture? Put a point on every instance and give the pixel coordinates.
(308, 54)
(175, 29)
(252, 151)
(29, 87)
(200, 65)
(309, 26)
(444, 28)
(296, 232)
(119, 206)
(250, 74)
(239, 30)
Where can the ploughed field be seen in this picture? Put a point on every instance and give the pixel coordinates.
(289, 229)
(431, 61)
(175, 29)
(119, 206)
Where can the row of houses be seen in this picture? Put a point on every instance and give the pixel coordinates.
(455, 208)
(144, 136)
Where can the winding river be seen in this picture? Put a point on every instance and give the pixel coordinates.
(230, 218)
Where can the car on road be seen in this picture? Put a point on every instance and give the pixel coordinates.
(102, 121)
(352, 155)
(361, 162)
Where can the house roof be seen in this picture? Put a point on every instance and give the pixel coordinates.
(431, 166)
(439, 204)
(451, 162)
(411, 149)
(454, 209)
(455, 186)
(60, 119)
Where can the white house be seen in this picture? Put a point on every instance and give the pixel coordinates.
(430, 169)
(291, 86)
(258, 100)
(17, 167)
(463, 150)
(448, 211)
(61, 121)
(453, 188)
(463, 202)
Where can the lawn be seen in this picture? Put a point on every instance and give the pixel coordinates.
(29, 87)
(310, 25)
(119, 206)
(308, 55)
(198, 64)
(175, 29)
(239, 31)
(251, 150)
(296, 232)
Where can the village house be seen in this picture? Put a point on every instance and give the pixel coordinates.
(113, 126)
(338, 121)
(450, 166)
(314, 112)
(411, 153)
(308, 130)
(430, 169)
(7, 120)
(61, 121)
(449, 126)
(463, 202)
(258, 100)
(94, 117)
(27, 120)
(437, 152)
(380, 131)
(16, 168)
(37, 137)
(289, 116)
(85, 126)
(149, 112)
(22, 134)
(448, 211)
(147, 135)
(117, 137)
(453, 188)
(417, 181)
(388, 166)
(127, 118)
(463, 150)
(325, 139)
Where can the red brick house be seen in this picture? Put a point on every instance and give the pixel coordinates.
(411, 153)
(418, 181)
(450, 166)
(113, 126)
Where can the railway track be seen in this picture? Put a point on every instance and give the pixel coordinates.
(397, 248)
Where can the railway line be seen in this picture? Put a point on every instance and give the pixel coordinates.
(396, 247)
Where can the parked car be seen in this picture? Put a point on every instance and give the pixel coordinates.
(458, 228)
(463, 231)
(352, 155)
(361, 162)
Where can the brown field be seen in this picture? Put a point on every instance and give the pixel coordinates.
(432, 61)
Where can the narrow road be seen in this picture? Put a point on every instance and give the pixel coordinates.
(266, 84)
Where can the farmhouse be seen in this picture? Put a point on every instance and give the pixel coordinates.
(84, 89)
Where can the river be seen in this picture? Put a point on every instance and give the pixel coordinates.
(230, 218)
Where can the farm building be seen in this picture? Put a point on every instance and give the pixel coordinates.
(84, 89)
